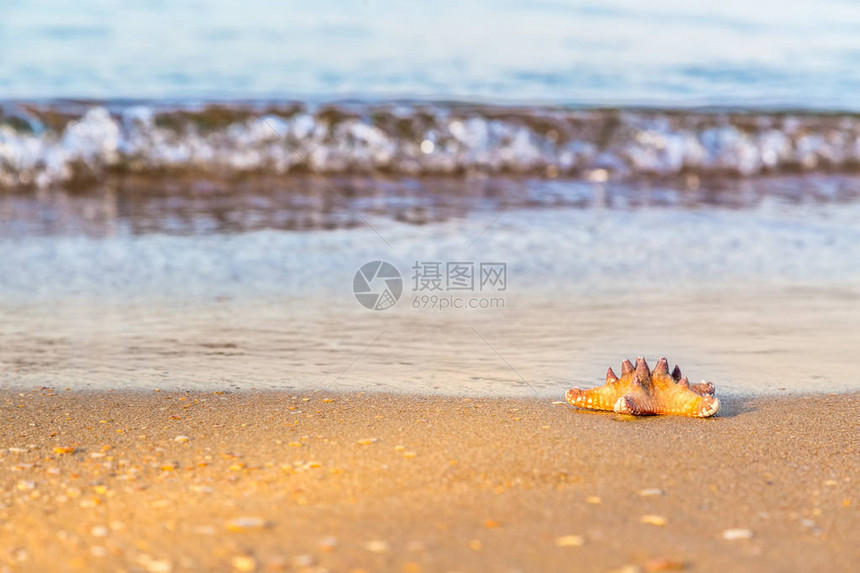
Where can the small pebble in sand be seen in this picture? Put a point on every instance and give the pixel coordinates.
(328, 544)
(246, 524)
(813, 527)
(303, 560)
(243, 563)
(409, 455)
(26, 485)
(733, 534)
(99, 531)
(594, 499)
(664, 564)
(376, 546)
(203, 530)
(570, 541)
(831, 483)
(657, 520)
(181, 439)
(651, 491)
(476, 545)
(155, 565)
(491, 524)
(628, 569)
(63, 450)
(399, 448)
(277, 563)
(367, 441)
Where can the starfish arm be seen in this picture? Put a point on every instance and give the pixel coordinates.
(636, 404)
(703, 388)
(710, 406)
(690, 403)
(600, 398)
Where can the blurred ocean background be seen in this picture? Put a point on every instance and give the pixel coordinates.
(671, 53)
(599, 91)
(187, 188)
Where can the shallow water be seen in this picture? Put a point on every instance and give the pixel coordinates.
(187, 206)
(675, 179)
(762, 341)
(104, 290)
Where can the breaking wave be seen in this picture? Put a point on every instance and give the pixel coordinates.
(43, 145)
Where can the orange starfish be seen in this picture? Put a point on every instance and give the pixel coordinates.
(641, 392)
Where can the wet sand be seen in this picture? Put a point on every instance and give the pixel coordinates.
(741, 339)
(160, 482)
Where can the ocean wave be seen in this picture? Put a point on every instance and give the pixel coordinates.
(43, 145)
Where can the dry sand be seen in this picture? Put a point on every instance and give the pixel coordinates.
(164, 482)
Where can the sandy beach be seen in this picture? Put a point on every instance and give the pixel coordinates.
(166, 481)
(302, 287)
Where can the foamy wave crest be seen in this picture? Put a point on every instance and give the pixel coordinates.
(44, 145)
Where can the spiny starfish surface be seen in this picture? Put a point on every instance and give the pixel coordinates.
(641, 392)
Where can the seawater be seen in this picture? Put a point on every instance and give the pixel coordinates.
(759, 299)
(187, 190)
(615, 52)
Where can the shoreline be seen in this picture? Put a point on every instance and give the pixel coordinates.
(731, 400)
(271, 480)
(741, 339)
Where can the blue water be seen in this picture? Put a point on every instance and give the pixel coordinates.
(616, 52)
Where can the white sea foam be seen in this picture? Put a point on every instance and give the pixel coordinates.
(423, 140)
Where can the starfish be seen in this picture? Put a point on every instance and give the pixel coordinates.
(641, 392)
